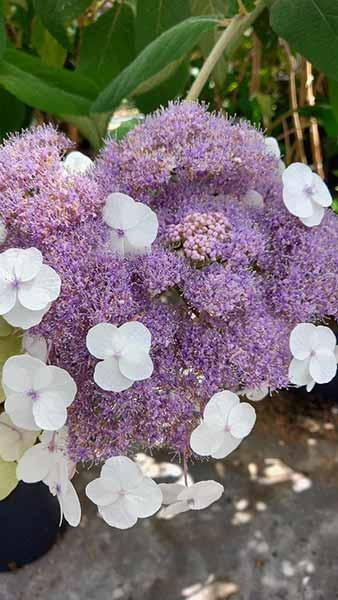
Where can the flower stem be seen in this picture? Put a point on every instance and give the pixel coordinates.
(228, 43)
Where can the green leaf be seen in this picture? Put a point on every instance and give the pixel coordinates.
(9, 346)
(107, 46)
(128, 125)
(53, 90)
(311, 28)
(47, 47)
(93, 128)
(55, 14)
(152, 19)
(334, 205)
(217, 8)
(8, 480)
(333, 89)
(155, 63)
(14, 115)
(325, 116)
(2, 29)
(5, 328)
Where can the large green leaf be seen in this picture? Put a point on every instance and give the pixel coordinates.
(107, 46)
(14, 115)
(2, 29)
(54, 90)
(152, 19)
(217, 8)
(56, 13)
(311, 28)
(47, 47)
(155, 63)
(8, 480)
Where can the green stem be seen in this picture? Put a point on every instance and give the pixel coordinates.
(227, 43)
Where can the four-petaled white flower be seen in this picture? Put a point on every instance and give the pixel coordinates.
(254, 394)
(314, 355)
(27, 287)
(226, 421)
(48, 462)
(273, 148)
(14, 441)
(77, 163)
(305, 194)
(35, 345)
(134, 225)
(124, 354)
(123, 494)
(180, 498)
(37, 395)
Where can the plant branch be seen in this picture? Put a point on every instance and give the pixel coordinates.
(228, 42)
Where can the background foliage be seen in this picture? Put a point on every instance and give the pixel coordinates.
(78, 62)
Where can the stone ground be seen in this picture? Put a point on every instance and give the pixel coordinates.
(273, 536)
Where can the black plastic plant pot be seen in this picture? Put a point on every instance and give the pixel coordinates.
(29, 525)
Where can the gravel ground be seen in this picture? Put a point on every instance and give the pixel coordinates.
(273, 536)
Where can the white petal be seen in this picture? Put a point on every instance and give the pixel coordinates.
(42, 377)
(40, 291)
(170, 492)
(117, 515)
(117, 243)
(18, 372)
(204, 441)
(336, 353)
(202, 494)
(316, 217)
(122, 470)
(174, 509)
(108, 376)
(7, 264)
(100, 340)
(14, 440)
(28, 264)
(256, 394)
(35, 464)
(19, 408)
(253, 199)
(296, 178)
(272, 146)
(136, 333)
(299, 372)
(228, 445)
(136, 364)
(144, 232)
(321, 194)
(49, 411)
(71, 505)
(323, 338)
(301, 340)
(242, 419)
(8, 295)
(77, 163)
(310, 385)
(63, 384)
(35, 345)
(144, 500)
(119, 211)
(103, 491)
(323, 366)
(22, 317)
(218, 408)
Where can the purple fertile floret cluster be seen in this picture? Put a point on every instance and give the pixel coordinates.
(220, 320)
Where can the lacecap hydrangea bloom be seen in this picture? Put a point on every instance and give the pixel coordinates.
(184, 229)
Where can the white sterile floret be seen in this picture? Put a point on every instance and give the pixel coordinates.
(180, 498)
(35, 345)
(124, 354)
(273, 148)
(314, 355)
(255, 394)
(3, 232)
(48, 462)
(134, 225)
(37, 395)
(226, 421)
(27, 287)
(77, 163)
(14, 440)
(123, 494)
(305, 194)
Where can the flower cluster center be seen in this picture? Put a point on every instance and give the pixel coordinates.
(200, 235)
